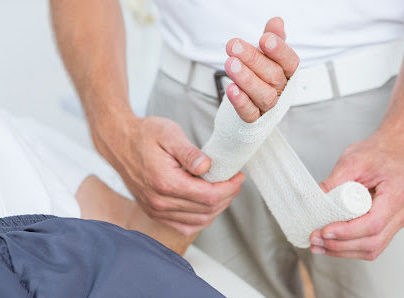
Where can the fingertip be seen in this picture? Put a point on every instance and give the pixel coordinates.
(233, 65)
(323, 187)
(233, 92)
(229, 45)
(315, 234)
(277, 26)
(269, 42)
(329, 184)
(329, 232)
(240, 176)
(234, 47)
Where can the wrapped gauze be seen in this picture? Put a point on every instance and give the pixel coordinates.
(290, 192)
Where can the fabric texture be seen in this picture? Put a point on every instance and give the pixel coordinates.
(247, 239)
(292, 195)
(49, 165)
(45, 256)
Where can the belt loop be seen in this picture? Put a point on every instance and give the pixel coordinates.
(333, 79)
(190, 75)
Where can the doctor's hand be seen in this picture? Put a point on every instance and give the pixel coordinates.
(378, 163)
(259, 76)
(159, 165)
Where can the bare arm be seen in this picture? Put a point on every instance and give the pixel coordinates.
(153, 155)
(91, 38)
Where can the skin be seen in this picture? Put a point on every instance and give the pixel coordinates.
(99, 202)
(153, 156)
(377, 162)
(159, 164)
(263, 74)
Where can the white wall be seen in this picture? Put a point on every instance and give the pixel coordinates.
(32, 79)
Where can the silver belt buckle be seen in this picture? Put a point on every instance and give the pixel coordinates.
(219, 75)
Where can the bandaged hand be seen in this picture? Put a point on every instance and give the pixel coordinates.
(259, 76)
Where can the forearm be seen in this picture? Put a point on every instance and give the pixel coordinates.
(394, 119)
(91, 38)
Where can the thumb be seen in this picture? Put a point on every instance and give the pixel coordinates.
(276, 26)
(339, 175)
(190, 157)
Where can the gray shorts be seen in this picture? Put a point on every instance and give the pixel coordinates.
(247, 239)
(51, 257)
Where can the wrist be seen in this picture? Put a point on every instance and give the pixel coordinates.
(392, 128)
(112, 122)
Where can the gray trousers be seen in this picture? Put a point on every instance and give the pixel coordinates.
(247, 239)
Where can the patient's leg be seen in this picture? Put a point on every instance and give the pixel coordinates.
(98, 201)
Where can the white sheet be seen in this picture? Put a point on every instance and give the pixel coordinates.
(41, 171)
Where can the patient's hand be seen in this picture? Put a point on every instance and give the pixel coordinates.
(259, 76)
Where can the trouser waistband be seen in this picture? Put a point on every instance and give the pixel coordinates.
(352, 73)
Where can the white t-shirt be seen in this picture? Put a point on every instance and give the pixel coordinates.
(317, 29)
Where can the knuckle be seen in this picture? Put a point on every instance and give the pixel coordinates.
(332, 245)
(376, 226)
(157, 205)
(244, 104)
(149, 211)
(205, 219)
(371, 256)
(294, 64)
(245, 76)
(163, 186)
(270, 100)
(152, 214)
(213, 200)
(376, 244)
(253, 57)
(253, 115)
(211, 209)
(186, 230)
(278, 76)
(347, 162)
(189, 154)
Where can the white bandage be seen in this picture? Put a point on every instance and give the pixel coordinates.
(290, 192)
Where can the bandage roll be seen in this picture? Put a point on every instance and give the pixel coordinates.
(294, 197)
(288, 189)
(353, 198)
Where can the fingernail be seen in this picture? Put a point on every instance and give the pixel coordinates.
(317, 241)
(197, 162)
(237, 47)
(235, 65)
(235, 90)
(318, 250)
(271, 42)
(329, 236)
